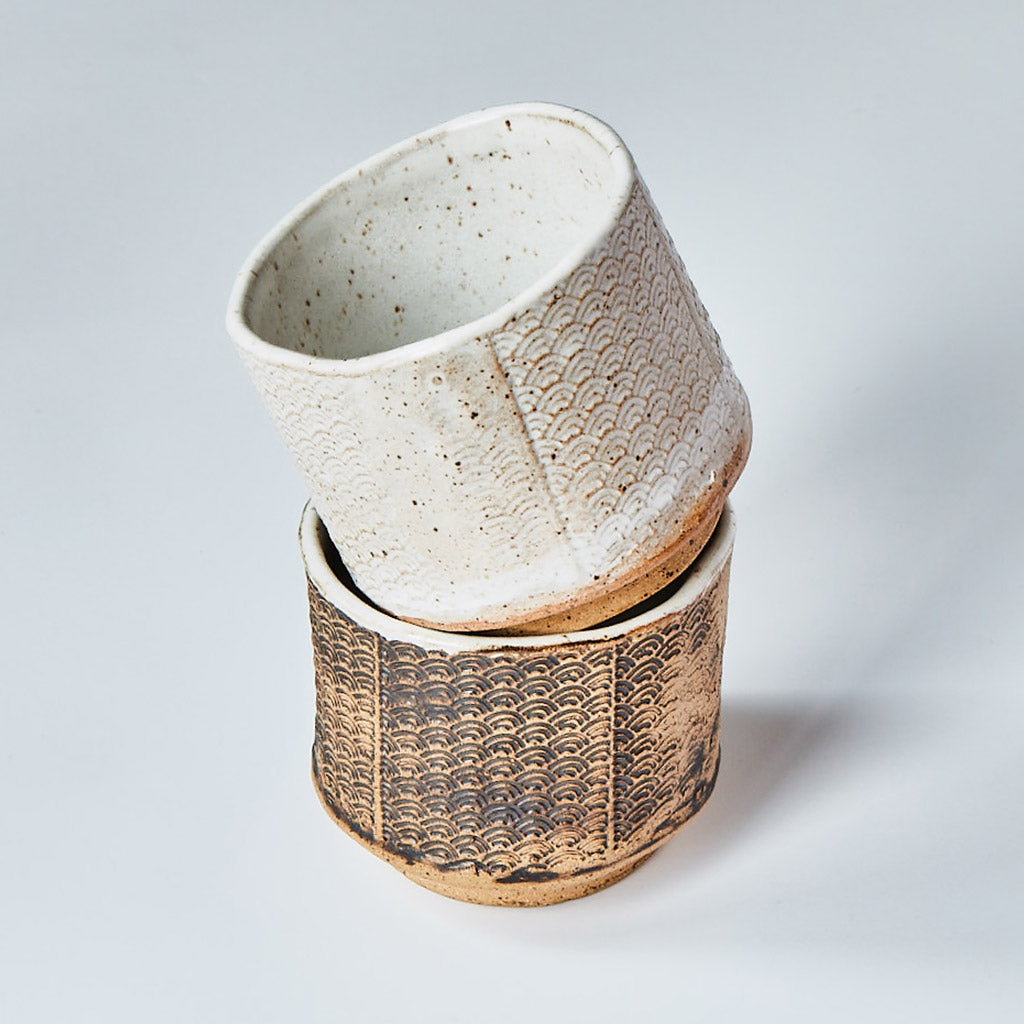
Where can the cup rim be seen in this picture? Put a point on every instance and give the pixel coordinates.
(624, 177)
(705, 568)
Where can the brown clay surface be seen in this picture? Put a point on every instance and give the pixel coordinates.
(519, 776)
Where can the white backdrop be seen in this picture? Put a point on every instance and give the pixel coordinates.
(844, 183)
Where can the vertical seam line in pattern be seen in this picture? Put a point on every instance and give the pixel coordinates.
(581, 563)
(610, 837)
(378, 774)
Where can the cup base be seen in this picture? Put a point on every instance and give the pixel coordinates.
(607, 599)
(654, 577)
(469, 886)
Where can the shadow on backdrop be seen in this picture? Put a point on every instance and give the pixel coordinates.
(920, 568)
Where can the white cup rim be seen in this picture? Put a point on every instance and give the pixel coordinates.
(697, 577)
(624, 176)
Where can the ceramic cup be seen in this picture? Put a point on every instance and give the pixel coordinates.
(516, 770)
(507, 401)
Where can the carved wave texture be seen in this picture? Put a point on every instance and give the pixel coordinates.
(467, 557)
(313, 415)
(666, 737)
(630, 403)
(519, 764)
(496, 762)
(346, 666)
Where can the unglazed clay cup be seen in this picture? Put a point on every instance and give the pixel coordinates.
(507, 401)
(516, 770)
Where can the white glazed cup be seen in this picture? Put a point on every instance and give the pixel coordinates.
(507, 402)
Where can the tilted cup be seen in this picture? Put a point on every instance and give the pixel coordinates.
(508, 403)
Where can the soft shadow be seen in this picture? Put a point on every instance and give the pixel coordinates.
(767, 746)
(770, 747)
(895, 472)
(889, 472)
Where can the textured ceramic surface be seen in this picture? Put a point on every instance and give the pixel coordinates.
(508, 403)
(516, 770)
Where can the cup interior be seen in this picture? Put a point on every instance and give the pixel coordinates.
(437, 233)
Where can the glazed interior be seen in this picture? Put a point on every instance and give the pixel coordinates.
(437, 233)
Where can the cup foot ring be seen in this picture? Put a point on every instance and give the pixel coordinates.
(471, 887)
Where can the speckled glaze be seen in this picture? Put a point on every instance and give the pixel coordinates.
(516, 771)
(508, 403)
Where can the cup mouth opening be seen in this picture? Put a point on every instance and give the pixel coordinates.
(327, 572)
(445, 236)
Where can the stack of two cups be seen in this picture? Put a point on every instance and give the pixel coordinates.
(518, 430)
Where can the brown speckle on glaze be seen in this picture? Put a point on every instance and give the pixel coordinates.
(618, 424)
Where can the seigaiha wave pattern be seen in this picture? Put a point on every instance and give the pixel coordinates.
(629, 401)
(507, 768)
(471, 552)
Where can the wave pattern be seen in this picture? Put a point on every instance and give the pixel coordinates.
(530, 737)
(386, 487)
(346, 665)
(666, 737)
(629, 400)
(519, 764)
(328, 445)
